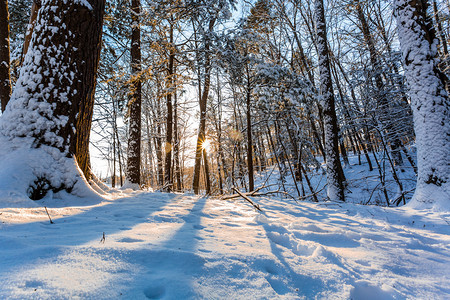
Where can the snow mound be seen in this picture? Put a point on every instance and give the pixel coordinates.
(364, 290)
(22, 166)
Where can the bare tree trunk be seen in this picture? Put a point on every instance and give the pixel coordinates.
(33, 15)
(207, 178)
(251, 181)
(440, 32)
(134, 104)
(176, 144)
(113, 175)
(203, 101)
(5, 79)
(168, 183)
(158, 146)
(335, 182)
(119, 146)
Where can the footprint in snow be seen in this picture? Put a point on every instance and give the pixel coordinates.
(129, 240)
(33, 284)
(271, 269)
(364, 290)
(155, 292)
(230, 224)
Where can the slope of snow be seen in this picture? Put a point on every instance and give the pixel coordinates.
(174, 246)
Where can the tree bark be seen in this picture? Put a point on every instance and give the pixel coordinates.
(251, 181)
(429, 102)
(135, 101)
(33, 15)
(202, 102)
(335, 186)
(56, 86)
(5, 78)
(169, 121)
(440, 32)
(176, 144)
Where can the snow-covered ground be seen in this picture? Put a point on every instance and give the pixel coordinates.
(178, 246)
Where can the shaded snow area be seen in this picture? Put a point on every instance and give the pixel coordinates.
(169, 246)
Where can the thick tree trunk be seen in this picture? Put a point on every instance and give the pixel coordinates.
(5, 80)
(56, 86)
(335, 186)
(135, 101)
(429, 102)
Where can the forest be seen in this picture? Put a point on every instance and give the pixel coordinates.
(290, 106)
(203, 96)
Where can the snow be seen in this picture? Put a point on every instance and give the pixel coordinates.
(430, 106)
(178, 246)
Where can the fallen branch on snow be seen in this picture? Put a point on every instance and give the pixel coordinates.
(248, 199)
(51, 222)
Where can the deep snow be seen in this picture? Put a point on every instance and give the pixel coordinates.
(178, 246)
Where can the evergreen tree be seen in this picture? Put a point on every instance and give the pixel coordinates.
(47, 110)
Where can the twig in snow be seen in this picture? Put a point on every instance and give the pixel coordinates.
(402, 195)
(445, 220)
(312, 195)
(51, 222)
(252, 193)
(103, 239)
(247, 198)
(255, 194)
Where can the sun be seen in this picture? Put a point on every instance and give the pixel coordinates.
(206, 145)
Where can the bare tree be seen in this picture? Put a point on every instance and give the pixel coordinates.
(335, 186)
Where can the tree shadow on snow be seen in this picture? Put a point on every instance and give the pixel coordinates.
(39, 240)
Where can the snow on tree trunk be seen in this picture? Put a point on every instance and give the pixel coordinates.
(5, 82)
(429, 102)
(134, 139)
(57, 80)
(168, 178)
(335, 188)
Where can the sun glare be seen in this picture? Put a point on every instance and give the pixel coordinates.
(206, 144)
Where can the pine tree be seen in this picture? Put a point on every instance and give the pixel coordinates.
(56, 84)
